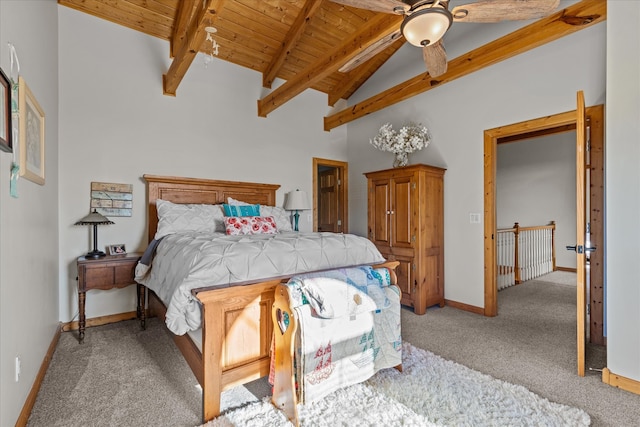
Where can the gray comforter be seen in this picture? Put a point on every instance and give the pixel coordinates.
(187, 261)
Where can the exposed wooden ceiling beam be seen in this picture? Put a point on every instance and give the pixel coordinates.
(567, 21)
(368, 53)
(356, 77)
(379, 26)
(187, 51)
(183, 16)
(149, 20)
(295, 32)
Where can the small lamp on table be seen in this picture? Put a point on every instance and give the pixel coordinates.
(95, 219)
(297, 201)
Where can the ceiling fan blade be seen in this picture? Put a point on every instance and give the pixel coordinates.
(504, 10)
(435, 58)
(386, 6)
(370, 52)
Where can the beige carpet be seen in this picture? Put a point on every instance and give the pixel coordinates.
(559, 277)
(122, 376)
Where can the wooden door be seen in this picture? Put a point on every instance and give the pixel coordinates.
(581, 229)
(328, 208)
(337, 194)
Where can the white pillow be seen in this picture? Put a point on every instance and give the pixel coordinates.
(282, 218)
(174, 218)
(232, 201)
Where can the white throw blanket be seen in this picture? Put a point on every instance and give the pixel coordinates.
(346, 350)
(187, 261)
(348, 328)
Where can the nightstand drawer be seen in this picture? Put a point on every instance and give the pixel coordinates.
(109, 276)
(111, 271)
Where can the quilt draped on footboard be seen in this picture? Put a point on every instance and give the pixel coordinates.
(349, 328)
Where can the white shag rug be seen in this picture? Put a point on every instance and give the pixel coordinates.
(431, 391)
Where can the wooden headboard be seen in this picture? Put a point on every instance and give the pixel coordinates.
(209, 191)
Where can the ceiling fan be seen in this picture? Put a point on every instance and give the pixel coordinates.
(426, 22)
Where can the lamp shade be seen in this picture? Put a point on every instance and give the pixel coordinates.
(94, 218)
(426, 26)
(297, 201)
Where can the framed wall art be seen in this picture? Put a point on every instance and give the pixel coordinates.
(5, 113)
(31, 134)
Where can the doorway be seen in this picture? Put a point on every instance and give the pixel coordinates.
(330, 196)
(535, 128)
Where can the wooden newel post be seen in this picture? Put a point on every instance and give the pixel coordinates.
(516, 264)
(553, 245)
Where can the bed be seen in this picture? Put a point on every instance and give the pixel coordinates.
(236, 325)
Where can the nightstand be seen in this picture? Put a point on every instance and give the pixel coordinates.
(108, 272)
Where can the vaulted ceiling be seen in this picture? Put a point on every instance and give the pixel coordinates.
(317, 44)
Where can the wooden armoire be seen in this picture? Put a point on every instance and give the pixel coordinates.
(406, 223)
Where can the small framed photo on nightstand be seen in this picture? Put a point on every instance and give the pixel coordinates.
(118, 249)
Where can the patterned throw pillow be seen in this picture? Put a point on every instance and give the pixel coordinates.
(283, 219)
(250, 225)
(241, 210)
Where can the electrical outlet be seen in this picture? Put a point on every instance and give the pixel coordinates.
(309, 218)
(18, 368)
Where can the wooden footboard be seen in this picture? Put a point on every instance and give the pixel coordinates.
(237, 331)
(236, 339)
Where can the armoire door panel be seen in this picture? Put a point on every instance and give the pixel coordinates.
(401, 224)
(379, 227)
(406, 280)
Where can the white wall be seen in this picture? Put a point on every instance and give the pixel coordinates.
(29, 223)
(623, 188)
(537, 83)
(536, 184)
(116, 125)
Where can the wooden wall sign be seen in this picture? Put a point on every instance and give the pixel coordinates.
(112, 199)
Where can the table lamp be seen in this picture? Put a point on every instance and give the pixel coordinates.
(95, 219)
(296, 201)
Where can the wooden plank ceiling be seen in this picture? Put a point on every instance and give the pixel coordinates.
(303, 42)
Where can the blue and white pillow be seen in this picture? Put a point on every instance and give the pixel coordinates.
(241, 210)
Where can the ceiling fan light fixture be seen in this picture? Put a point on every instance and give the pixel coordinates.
(426, 26)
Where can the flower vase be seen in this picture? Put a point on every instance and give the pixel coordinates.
(402, 159)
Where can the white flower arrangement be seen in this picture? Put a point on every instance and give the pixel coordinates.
(409, 138)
